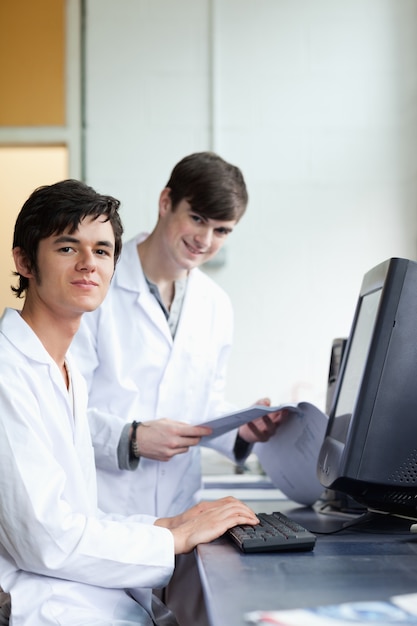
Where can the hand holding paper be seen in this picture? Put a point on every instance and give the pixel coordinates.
(262, 428)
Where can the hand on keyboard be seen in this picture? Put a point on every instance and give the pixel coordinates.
(275, 533)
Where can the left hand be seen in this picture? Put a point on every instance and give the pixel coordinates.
(263, 427)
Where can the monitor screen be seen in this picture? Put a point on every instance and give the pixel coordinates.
(370, 447)
(358, 353)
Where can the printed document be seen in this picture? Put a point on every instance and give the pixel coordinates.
(289, 458)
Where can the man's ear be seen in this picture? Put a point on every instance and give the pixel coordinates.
(21, 262)
(165, 203)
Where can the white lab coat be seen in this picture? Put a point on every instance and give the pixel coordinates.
(135, 370)
(62, 560)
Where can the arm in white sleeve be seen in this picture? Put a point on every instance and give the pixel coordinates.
(49, 522)
(109, 431)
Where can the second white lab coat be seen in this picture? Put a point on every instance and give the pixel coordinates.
(135, 370)
(64, 562)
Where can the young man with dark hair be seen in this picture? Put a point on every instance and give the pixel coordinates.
(155, 353)
(63, 561)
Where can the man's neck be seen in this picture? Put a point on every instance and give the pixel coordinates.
(156, 267)
(55, 333)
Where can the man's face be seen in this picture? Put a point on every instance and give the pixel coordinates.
(74, 270)
(190, 239)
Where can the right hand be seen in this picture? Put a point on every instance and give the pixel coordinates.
(207, 521)
(162, 439)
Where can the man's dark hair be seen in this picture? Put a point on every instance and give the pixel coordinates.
(53, 209)
(214, 188)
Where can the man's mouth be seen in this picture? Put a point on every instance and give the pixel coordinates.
(85, 283)
(194, 250)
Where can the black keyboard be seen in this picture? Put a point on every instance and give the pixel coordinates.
(275, 533)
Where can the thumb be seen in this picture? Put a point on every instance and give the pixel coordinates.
(264, 402)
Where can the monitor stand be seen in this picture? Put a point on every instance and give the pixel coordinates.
(339, 512)
(336, 502)
(379, 522)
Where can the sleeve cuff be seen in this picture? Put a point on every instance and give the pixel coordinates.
(241, 449)
(126, 462)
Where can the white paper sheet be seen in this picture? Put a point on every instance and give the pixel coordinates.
(289, 458)
(224, 423)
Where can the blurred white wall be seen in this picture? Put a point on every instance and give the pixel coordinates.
(315, 100)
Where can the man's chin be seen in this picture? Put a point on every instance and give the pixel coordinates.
(89, 307)
(197, 261)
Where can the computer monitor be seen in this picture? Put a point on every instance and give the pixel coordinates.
(370, 446)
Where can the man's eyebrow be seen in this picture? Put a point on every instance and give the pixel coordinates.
(70, 239)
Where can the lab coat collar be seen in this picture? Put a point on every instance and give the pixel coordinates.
(130, 277)
(129, 274)
(20, 334)
(22, 337)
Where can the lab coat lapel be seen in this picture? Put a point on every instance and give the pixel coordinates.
(190, 349)
(192, 325)
(130, 276)
(151, 308)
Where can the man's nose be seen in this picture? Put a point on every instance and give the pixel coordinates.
(86, 262)
(204, 238)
